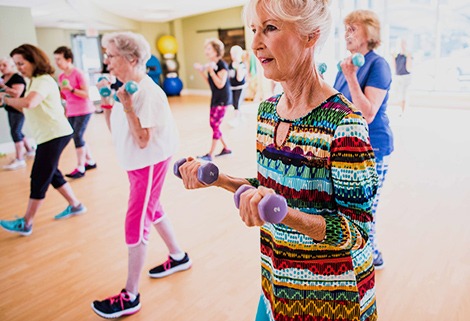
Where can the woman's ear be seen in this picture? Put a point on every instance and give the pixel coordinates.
(312, 38)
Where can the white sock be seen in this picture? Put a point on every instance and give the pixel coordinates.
(81, 169)
(177, 256)
(91, 162)
(132, 296)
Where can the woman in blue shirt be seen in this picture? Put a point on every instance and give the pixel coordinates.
(368, 87)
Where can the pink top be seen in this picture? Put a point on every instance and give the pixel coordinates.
(76, 106)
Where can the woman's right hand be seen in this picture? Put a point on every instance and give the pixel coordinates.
(198, 67)
(188, 171)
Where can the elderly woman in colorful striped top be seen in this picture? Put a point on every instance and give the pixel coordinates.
(313, 149)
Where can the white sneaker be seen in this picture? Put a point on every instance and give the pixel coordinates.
(15, 164)
(31, 153)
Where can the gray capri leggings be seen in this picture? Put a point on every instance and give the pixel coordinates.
(79, 125)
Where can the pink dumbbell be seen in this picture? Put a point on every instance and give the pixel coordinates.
(206, 173)
(272, 208)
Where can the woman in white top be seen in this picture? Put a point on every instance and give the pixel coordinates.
(145, 138)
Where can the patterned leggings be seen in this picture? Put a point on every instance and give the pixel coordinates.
(382, 168)
(216, 117)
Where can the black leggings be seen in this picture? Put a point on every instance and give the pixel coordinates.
(45, 167)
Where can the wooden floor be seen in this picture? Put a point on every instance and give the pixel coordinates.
(423, 228)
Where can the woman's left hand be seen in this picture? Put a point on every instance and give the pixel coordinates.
(348, 68)
(124, 97)
(248, 207)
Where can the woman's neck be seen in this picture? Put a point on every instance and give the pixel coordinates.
(134, 75)
(69, 69)
(7, 75)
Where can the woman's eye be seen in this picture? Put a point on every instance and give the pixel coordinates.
(270, 28)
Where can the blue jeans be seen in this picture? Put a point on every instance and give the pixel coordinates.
(16, 121)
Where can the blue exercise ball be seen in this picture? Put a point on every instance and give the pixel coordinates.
(172, 86)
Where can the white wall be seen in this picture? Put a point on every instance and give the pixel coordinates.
(16, 28)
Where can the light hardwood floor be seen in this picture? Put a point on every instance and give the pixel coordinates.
(423, 229)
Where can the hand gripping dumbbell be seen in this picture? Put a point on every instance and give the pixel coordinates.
(104, 91)
(272, 208)
(131, 87)
(207, 173)
(357, 60)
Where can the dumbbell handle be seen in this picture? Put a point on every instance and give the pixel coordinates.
(207, 173)
(272, 207)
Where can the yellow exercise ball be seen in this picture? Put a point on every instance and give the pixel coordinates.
(167, 45)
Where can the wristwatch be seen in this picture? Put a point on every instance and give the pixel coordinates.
(73, 90)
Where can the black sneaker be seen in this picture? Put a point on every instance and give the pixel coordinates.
(89, 166)
(170, 266)
(75, 174)
(224, 151)
(378, 261)
(116, 306)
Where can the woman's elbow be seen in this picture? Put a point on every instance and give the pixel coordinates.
(30, 104)
(143, 142)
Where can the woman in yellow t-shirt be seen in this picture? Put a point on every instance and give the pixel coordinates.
(45, 117)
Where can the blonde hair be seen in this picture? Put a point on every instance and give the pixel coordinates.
(308, 16)
(129, 45)
(370, 21)
(218, 46)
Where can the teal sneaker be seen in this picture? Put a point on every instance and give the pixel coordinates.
(70, 210)
(17, 226)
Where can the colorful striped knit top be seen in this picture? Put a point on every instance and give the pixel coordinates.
(324, 167)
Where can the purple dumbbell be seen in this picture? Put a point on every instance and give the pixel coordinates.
(207, 173)
(272, 208)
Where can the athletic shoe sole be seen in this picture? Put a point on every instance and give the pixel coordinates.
(117, 314)
(179, 268)
(17, 232)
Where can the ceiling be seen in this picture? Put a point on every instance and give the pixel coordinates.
(114, 14)
(97, 14)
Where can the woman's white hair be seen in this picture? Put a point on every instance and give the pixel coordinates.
(309, 16)
(237, 51)
(129, 45)
(10, 62)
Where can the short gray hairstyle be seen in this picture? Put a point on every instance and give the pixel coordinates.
(9, 61)
(130, 45)
(309, 16)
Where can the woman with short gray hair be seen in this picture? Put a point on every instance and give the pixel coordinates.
(145, 138)
(14, 85)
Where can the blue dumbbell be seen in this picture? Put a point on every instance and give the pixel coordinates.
(357, 60)
(272, 208)
(207, 173)
(131, 87)
(322, 67)
(104, 91)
